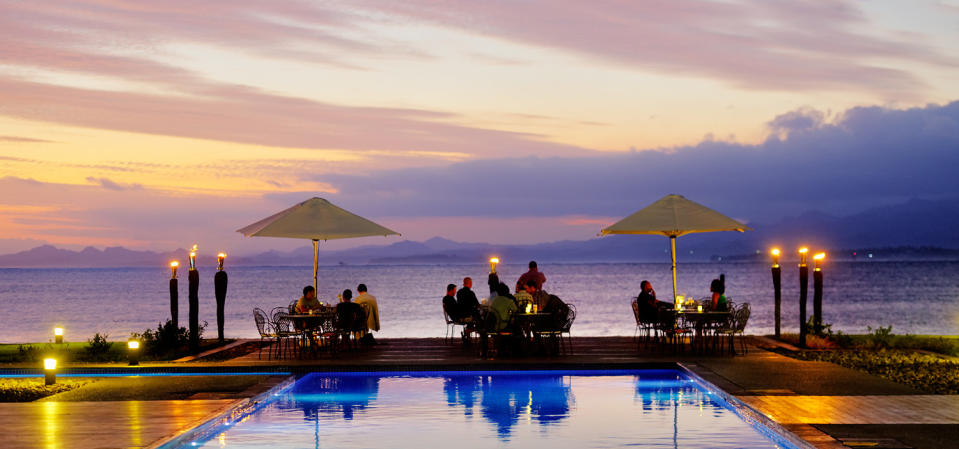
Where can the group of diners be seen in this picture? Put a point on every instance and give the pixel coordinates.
(649, 305)
(495, 312)
(362, 313)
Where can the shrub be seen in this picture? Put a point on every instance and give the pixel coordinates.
(28, 353)
(98, 348)
(880, 338)
(166, 340)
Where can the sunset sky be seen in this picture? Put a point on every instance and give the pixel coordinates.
(156, 125)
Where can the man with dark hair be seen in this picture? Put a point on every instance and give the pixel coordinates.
(532, 275)
(449, 303)
(350, 316)
(466, 299)
(368, 302)
(540, 297)
(308, 301)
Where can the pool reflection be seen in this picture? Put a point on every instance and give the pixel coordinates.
(331, 396)
(506, 399)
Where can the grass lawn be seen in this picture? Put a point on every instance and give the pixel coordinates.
(157, 388)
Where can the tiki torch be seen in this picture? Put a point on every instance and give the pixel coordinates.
(174, 296)
(803, 290)
(817, 293)
(219, 289)
(194, 278)
(777, 273)
(492, 264)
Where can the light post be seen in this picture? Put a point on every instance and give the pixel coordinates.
(817, 293)
(133, 352)
(174, 295)
(777, 273)
(58, 335)
(49, 371)
(194, 288)
(220, 281)
(803, 291)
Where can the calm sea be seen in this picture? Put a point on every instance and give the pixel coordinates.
(912, 297)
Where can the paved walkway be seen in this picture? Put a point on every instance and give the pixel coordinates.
(96, 425)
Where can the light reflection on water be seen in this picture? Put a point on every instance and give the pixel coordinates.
(657, 408)
(913, 297)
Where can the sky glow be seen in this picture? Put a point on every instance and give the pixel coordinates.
(155, 125)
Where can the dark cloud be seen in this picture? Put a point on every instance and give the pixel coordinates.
(865, 157)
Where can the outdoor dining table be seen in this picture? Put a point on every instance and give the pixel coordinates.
(702, 321)
(532, 325)
(307, 324)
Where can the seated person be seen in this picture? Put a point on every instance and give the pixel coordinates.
(540, 297)
(368, 302)
(502, 306)
(466, 300)
(557, 309)
(648, 304)
(350, 315)
(523, 298)
(449, 303)
(493, 283)
(718, 290)
(308, 301)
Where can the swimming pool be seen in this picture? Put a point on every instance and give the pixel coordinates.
(554, 409)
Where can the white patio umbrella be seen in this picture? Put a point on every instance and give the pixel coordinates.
(315, 219)
(673, 216)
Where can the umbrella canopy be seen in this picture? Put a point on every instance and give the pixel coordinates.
(673, 216)
(315, 219)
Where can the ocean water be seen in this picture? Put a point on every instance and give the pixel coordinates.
(912, 297)
(650, 408)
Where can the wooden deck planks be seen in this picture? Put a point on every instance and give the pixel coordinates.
(97, 425)
(913, 409)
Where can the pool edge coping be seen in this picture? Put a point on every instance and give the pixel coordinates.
(214, 420)
(747, 412)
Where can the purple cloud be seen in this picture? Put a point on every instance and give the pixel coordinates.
(783, 45)
(866, 157)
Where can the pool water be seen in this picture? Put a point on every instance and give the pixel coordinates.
(648, 408)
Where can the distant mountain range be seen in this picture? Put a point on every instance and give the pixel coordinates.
(916, 229)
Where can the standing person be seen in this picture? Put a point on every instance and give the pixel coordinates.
(466, 299)
(534, 275)
(368, 302)
(308, 301)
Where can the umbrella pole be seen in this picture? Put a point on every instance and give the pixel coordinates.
(316, 258)
(672, 246)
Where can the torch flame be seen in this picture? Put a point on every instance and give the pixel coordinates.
(803, 250)
(819, 256)
(174, 264)
(775, 251)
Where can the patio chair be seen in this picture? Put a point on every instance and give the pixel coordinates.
(737, 325)
(566, 328)
(644, 325)
(292, 307)
(669, 330)
(264, 327)
(285, 331)
(349, 322)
